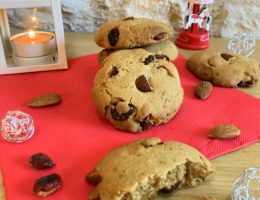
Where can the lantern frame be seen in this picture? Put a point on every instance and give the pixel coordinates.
(5, 47)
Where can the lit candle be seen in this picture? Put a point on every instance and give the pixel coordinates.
(32, 38)
(33, 48)
(33, 44)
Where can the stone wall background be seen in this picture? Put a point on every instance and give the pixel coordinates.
(229, 17)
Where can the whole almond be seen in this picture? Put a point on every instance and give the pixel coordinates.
(45, 100)
(203, 90)
(224, 131)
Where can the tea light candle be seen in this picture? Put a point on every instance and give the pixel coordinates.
(33, 44)
(32, 38)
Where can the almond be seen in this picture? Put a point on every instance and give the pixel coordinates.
(224, 131)
(203, 90)
(45, 100)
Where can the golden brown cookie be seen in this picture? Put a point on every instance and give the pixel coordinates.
(132, 32)
(141, 169)
(224, 69)
(136, 90)
(166, 47)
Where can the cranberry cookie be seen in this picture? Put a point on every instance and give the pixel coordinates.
(140, 170)
(132, 32)
(224, 69)
(166, 48)
(136, 90)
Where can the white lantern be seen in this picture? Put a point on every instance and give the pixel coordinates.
(31, 50)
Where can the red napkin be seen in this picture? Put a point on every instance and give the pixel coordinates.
(75, 136)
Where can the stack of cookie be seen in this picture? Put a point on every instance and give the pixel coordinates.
(136, 88)
(132, 33)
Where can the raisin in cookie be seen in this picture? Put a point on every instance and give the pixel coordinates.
(166, 48)
(132, 32)
(136, 90)
(141, 169)
(224, 69)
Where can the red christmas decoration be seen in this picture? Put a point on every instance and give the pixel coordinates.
(195, 33)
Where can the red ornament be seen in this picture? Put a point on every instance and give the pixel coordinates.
(195, 34)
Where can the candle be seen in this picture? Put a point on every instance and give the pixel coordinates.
(33, 44)
(33, 48)
(32, 38)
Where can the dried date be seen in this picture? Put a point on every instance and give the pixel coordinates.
(41, 161)
(47, 185)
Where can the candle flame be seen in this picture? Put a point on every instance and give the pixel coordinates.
(34, 19)
(32, 34)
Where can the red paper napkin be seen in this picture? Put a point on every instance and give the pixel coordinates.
(76, 137)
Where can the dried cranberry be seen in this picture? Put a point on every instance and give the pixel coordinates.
(245, 84)
(123, 116)
(146, 125)
(113, 36)
(149, 59)
(161, 56)
(160, 36)
(114, 71)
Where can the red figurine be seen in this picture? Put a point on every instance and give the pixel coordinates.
(195, 34)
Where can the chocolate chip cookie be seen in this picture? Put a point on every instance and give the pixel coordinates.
(224, 69)
(141, 169)
(136, 90)
(166, 48)
(132, 32)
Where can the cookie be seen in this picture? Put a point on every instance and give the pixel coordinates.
(131, 32)
(141, 169)
(166, 47)
(224, 69)
(136, 90)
